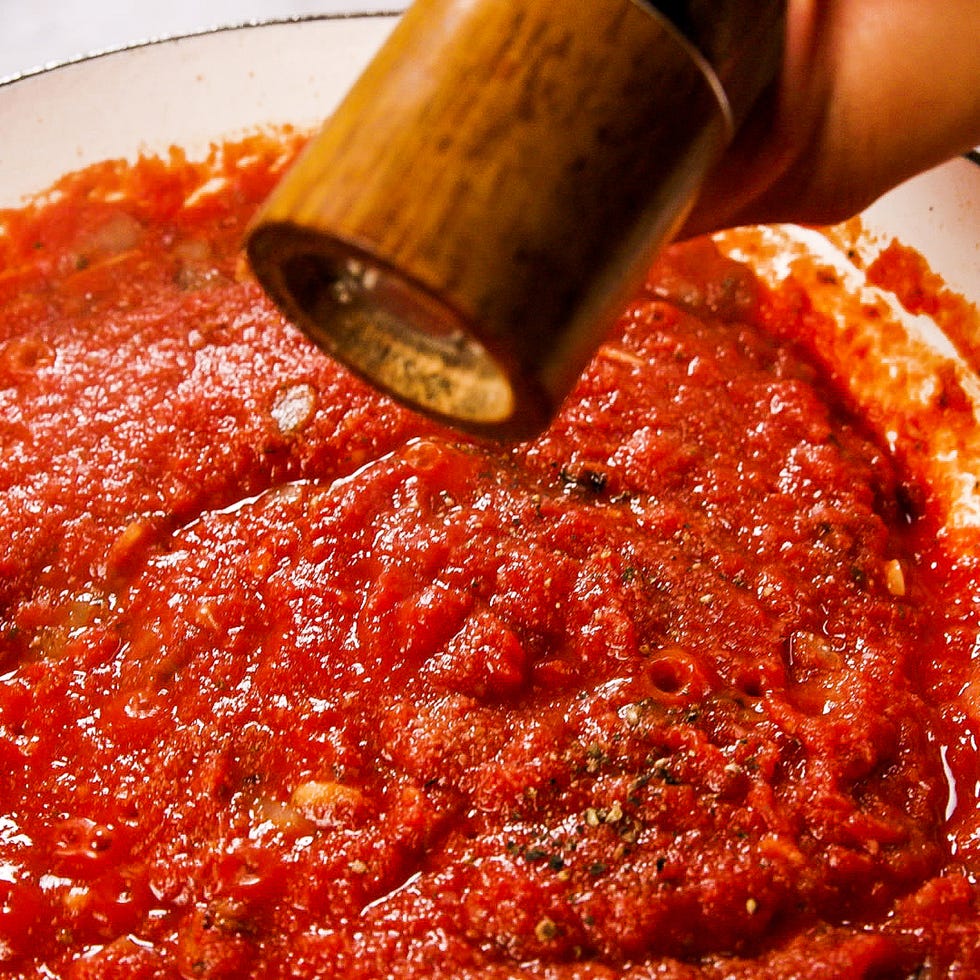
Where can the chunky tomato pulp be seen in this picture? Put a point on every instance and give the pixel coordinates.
(296, 684)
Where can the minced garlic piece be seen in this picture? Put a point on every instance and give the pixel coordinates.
(894, 577)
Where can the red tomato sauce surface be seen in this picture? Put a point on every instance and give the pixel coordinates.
(294, 683)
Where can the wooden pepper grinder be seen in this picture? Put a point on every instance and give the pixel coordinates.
(470, 221)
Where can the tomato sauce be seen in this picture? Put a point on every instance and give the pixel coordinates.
(294, 683)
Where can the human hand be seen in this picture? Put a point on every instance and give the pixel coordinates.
(871, 93)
